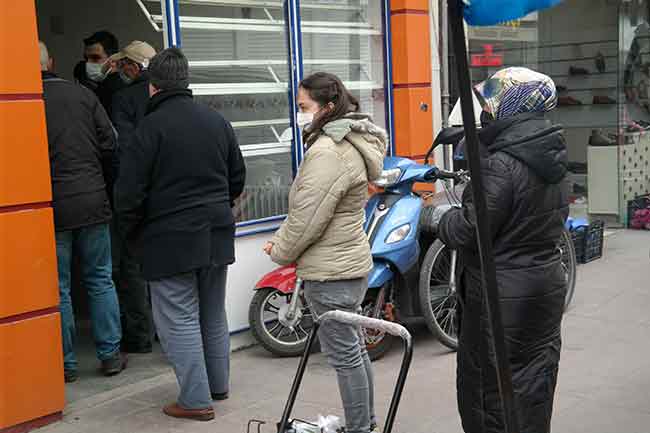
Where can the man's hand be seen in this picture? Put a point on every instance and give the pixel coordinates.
(268, 248)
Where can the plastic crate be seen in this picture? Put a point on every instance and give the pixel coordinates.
(588, 242)
(578, 238)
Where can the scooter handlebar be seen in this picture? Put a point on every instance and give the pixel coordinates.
(436, 174)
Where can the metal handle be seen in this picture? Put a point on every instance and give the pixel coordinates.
(366, 322)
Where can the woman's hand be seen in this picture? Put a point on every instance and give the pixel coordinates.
(268, 248)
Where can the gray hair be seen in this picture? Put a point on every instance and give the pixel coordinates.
(169, 70)
(44, 55)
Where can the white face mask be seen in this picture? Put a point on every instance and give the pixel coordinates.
(94, 72)
(304, 119)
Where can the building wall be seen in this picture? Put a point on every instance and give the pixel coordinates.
(31, 363)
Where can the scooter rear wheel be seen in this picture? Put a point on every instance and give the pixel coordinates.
(438, 300)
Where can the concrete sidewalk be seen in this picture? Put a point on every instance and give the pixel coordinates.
(604, 384)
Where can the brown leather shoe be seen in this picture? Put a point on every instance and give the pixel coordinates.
(174, 410)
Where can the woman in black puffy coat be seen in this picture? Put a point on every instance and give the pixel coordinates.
(524, 162)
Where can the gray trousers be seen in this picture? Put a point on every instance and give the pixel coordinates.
(344, 346)
(190, 315)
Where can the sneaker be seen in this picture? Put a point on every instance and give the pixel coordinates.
(219, 396)
(70, 376)
(176, 411)
(114, 365)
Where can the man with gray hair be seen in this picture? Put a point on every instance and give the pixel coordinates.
(178, 180)
(81, 144)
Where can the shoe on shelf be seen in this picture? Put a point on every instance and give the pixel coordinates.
(603, 100)
(70, 376)
(114, 365)
(599, 60)
(564, 101)
(219, 396)
(176, 411)
(599, 139)
(561, 89)
(574, 70)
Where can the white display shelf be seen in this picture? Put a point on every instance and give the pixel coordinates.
(215, 89)
(266, 4)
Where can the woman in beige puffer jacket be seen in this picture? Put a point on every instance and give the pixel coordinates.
(324, 234)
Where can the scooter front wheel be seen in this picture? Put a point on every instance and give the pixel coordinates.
(271, 329)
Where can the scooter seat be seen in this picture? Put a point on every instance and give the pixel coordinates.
(451, 135)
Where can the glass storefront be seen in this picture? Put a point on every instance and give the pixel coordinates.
(239, 63)
(598, 54)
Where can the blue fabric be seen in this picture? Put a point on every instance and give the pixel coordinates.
(490, 12)
(93, 246)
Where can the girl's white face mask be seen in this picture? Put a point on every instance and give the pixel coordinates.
(304, 119)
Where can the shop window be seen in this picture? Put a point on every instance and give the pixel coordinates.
(239, 66)
(346, 38)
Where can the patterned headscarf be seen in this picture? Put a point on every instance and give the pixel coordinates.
(513, 91)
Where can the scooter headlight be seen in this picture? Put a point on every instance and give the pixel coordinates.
(399, 234)
(388, 177)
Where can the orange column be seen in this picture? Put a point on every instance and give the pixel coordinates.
(31, 363)
(411, 77)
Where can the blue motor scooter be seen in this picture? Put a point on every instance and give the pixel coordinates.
(401, 237)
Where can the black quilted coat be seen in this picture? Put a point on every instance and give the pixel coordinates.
(524, 163)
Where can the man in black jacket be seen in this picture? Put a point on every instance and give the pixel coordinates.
(129, 107)
(81, 143)
(179, 177)
(95, 73)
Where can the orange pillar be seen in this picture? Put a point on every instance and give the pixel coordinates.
(31, 362)
(411, 77)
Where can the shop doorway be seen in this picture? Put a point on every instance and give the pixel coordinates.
(63, 25)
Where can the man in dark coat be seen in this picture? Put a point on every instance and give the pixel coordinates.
(81, 144)
(178, 180)
(129, 108)
(95, 71)
(524, 164)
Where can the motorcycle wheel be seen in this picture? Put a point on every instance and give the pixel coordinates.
(377, 343)
(437, 299)
(568, 251)
(269, 331)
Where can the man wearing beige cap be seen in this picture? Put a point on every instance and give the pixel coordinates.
(129, 107)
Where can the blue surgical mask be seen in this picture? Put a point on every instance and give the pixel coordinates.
(127, 80)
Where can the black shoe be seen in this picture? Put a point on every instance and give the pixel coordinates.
(114, 365)
(574, 70)
(70, 376)
(219, 396)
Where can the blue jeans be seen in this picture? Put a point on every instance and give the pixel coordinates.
(93, 246)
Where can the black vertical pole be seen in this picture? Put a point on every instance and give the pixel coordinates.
(490, 288)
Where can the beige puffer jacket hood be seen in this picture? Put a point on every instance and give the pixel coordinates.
(323, 232)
